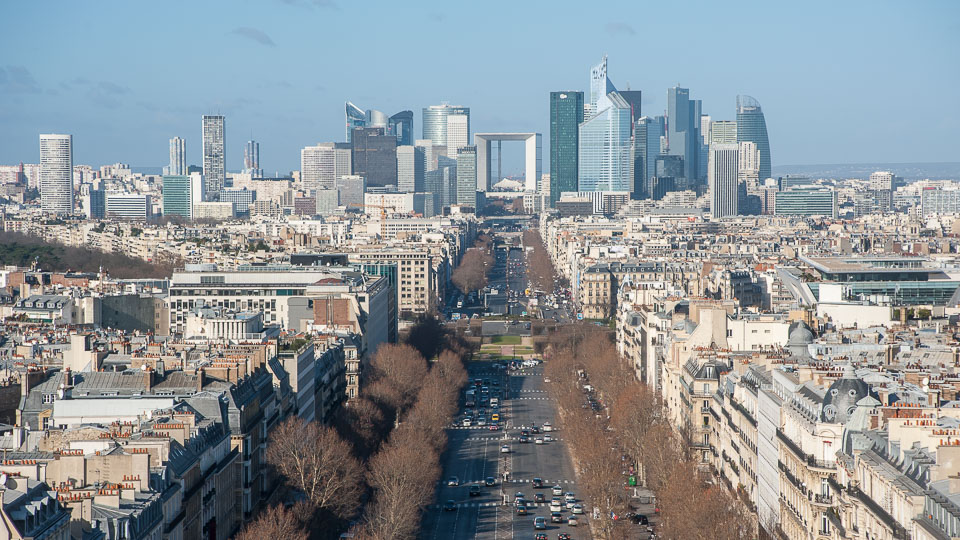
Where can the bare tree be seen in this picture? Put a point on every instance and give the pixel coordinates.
(403, 475)
(402, 367)
(274, 522)
(471, 274)
(363, 424)
(315, 460)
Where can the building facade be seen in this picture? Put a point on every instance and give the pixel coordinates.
(56, 173)
(214, 153)
(566, 115)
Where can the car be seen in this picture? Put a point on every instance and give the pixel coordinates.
(453, 481)
(495, 417)
(524, 439)
(539, 498)
(639, 519)
(490, 481)
(538, 440)
(547, 438)
(535, 429)
(482, 422)
(540, 536)
(467, 422)
(539, 523)
(505, 449)
(557, 490)
(556, 517)
(521, 510)
(563, 536)
(518, 496)
(570, 504)
(578, 509)
(474, 491)
(570, 497)
(538, 483)
(494, 427)
(449, 505)
(525, 432)
(546, 379)
(547, 427)
(555, 505)
(573, 521)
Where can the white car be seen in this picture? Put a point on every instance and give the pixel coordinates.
(538, 440)
(570, 504)
(547, 438)
(505, 449)
(577, 509)
(555, 505)
(557, 490)
(453, 481)
(570, 497)
(547, 427)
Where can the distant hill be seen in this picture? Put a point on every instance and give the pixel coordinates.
(909, 171)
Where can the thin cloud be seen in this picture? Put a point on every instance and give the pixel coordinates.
(107, 94)
(326, 4)
(256, 35)
(619, 28)
(17, 80)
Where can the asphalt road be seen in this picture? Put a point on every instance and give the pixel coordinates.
(474, 453)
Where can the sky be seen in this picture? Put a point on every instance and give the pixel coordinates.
(838, 81)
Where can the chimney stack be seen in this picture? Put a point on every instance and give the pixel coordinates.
(200, 380)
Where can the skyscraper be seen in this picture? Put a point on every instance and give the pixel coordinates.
(214, 162)
(251, 159)
(683, 130)
(647, 133)
(323, 164)
(375, 156)
(566, 115)
(356, 118)
(752, 127)
(178, 156)
(56, 173)
(435, 121)
(723, 132)
(722, 178)
(401, 126)
(605, 154)
(178, 196)
(467, 176)
(410, 168)
(458, 132)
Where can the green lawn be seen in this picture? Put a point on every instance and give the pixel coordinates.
(506, 340)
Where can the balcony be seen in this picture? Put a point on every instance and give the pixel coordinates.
(746, 414)
(808, 458)
(825, 500)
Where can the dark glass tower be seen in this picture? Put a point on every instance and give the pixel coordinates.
(566, 115)
(752, 127)
(401, 125)
(375, 156)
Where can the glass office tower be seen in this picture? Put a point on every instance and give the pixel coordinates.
(435, 121)
(401, 125)
(752, 127)
(647, 133)
(356, 118)
(566, 114)
(605, 147)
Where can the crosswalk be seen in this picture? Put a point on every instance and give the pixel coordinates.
(533, 398)
(547, 484)
(466, 505)
(536, 391)
(552, 439)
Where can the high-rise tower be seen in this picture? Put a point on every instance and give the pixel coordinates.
(605, 157)
(214, 162)
(722, 178)
(566, 115)
(435, 122)
(56, 173)
(752, 127)
(251, 159)
(178, 156)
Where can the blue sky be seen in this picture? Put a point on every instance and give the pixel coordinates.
(839, 81)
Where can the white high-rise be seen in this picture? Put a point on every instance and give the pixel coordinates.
(723, 132)
(458, 133)
(178, 157)
(322, 165)
(722, 179)
(410, 167)
(748, 164)
(56, 173)
(214, 159)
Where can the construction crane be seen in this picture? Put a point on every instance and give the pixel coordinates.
(383, 209)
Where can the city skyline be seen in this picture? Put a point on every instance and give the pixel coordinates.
(797, 85)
